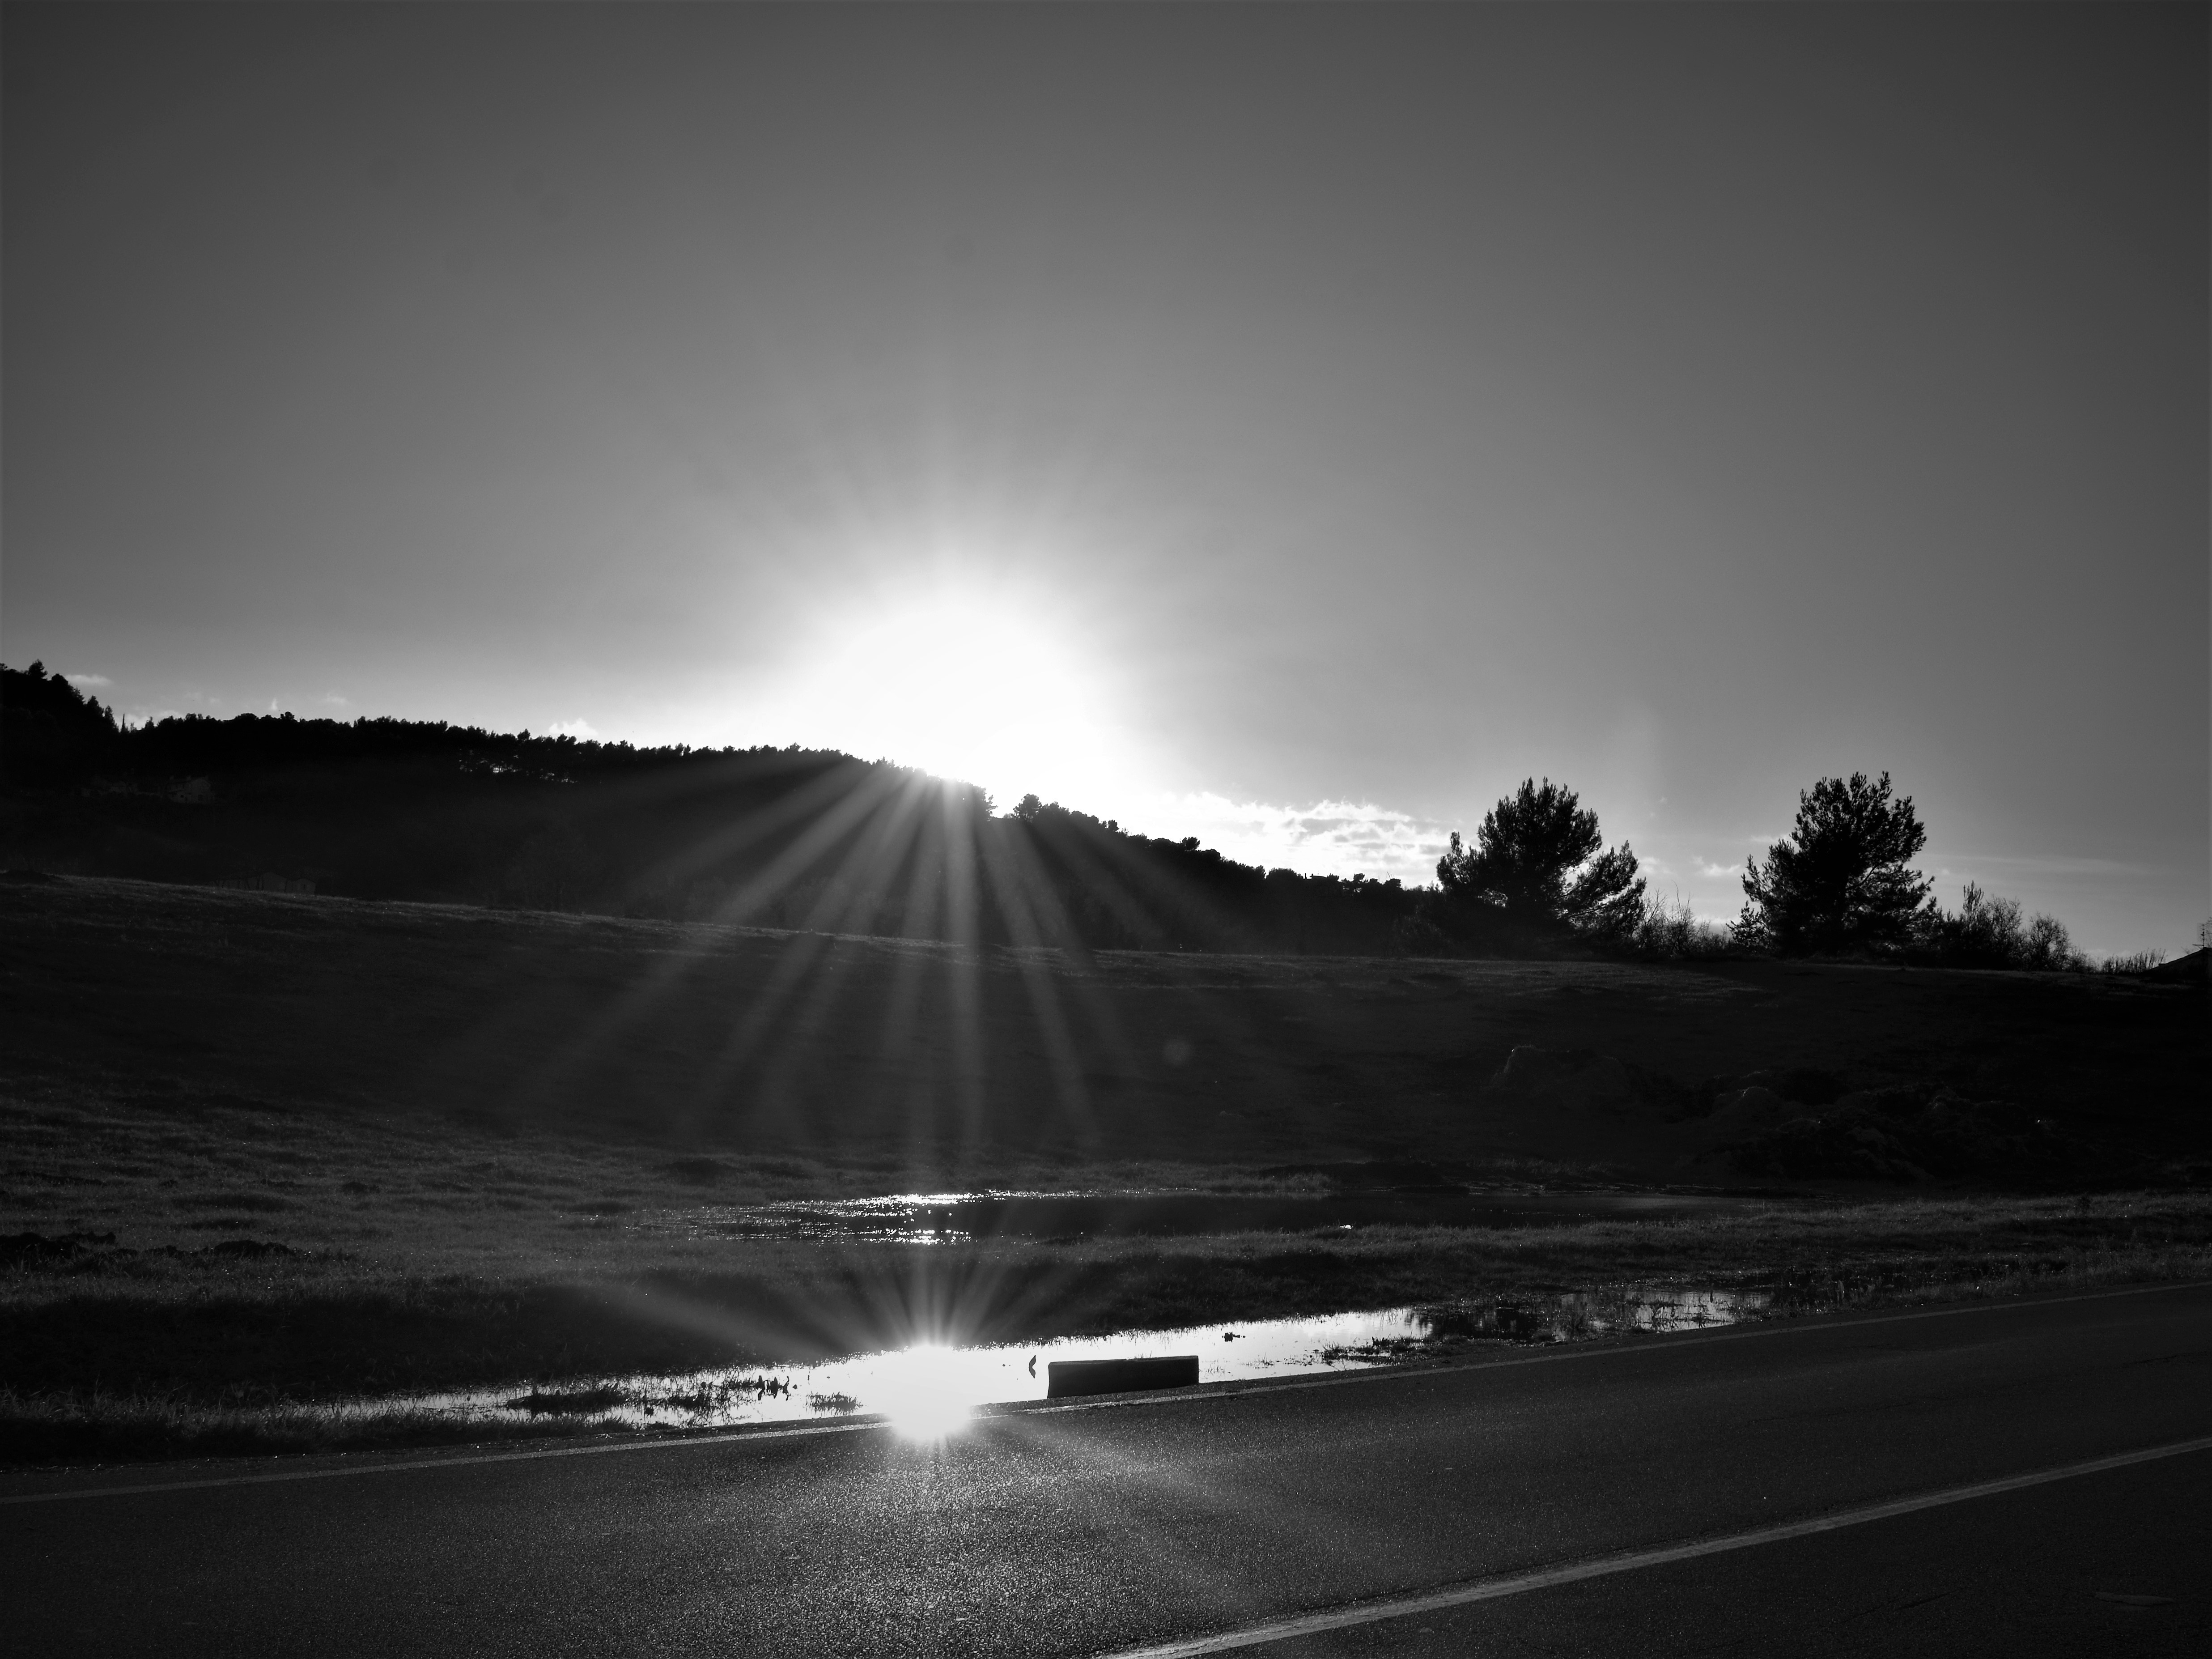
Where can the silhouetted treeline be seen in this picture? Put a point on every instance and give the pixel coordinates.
(50, 732)
(389, 809)
(1119, 890)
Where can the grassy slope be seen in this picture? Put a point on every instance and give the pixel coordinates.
(895, 1055)
(481, 1131)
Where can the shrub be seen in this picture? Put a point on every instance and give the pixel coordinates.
(2141, 961)
(1989, 932)
(1671, 932)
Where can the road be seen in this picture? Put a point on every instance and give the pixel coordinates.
(1100, 1528)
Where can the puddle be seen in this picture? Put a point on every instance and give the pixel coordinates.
(949, 1218)
(929, 1389)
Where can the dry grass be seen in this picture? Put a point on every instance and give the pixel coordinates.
(907, 1059)
(457, 1124)
(409, 1197)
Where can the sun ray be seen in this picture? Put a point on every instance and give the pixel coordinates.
(809, 802)
(802, 952)
(1020, 895)
(889, 836)
(964, 975)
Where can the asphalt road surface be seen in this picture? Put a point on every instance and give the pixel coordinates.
(1227, 1516)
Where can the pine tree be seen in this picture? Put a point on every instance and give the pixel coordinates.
(1537, 858)
(1839, 881)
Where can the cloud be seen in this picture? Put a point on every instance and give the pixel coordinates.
(579, 730)
(1330, 837)
(2046, 866)
(87, 679)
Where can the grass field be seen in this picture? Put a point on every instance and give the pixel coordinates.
(345, 1148)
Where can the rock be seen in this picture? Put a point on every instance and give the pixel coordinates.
(1756, 1101)
(1742, 1112)
(1801, 1084)
(1810, 1147)
(1579, 1077)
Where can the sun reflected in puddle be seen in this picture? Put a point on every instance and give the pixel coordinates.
(930, 1390)
(935, 1398)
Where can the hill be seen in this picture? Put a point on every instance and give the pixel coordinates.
(387, 809)
(263, 1155)
(919, 1057)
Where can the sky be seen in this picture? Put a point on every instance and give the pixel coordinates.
(1291, 426)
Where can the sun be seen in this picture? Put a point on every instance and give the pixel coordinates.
(991, 686)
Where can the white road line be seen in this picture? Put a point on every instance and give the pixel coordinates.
(1490, 1589)
(1179, 1397)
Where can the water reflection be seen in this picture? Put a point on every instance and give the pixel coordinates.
(928, 1390)
(945, 1218)
(1670, 1309)
(1581, 1313)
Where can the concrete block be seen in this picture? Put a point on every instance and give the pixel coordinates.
(1071, 1377)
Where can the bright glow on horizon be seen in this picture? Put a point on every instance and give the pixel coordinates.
(968, 680)
(1329, 838)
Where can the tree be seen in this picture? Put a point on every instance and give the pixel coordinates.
(1536, 857)
(1839, 881)
(50, 732)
